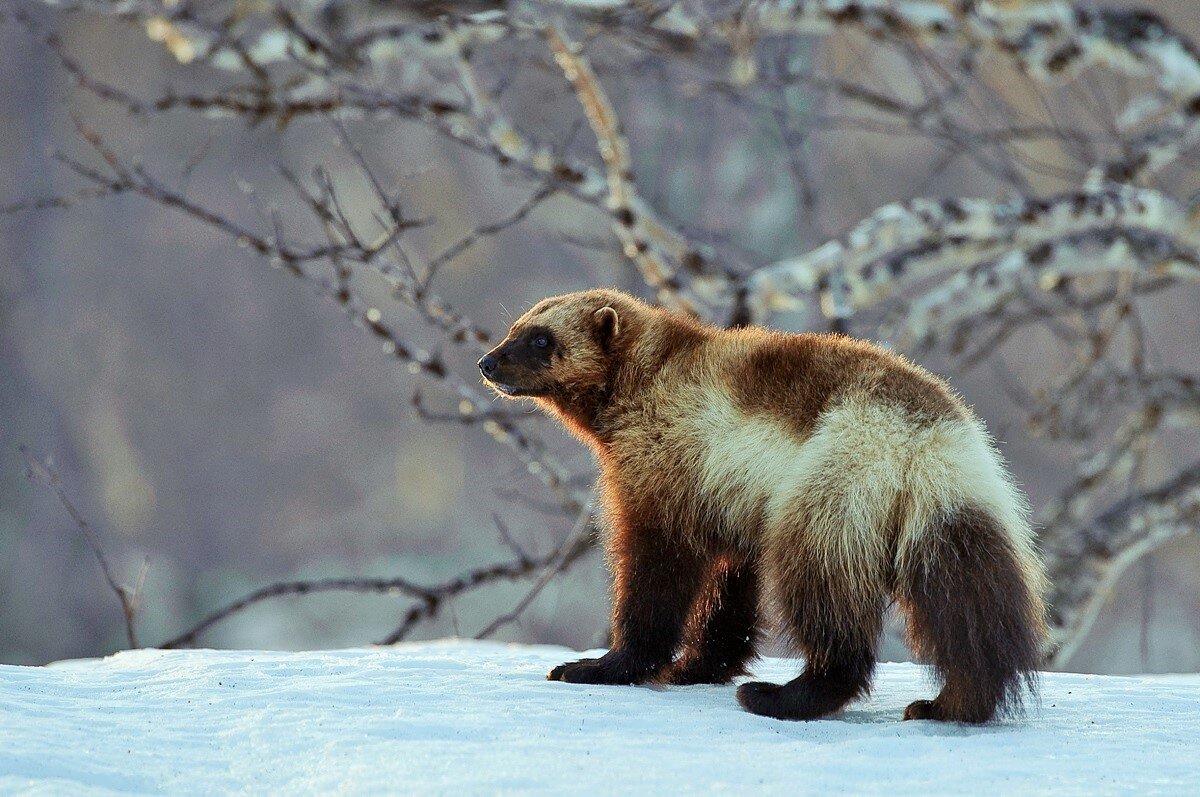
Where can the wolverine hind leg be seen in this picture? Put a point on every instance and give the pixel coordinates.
(836, 629)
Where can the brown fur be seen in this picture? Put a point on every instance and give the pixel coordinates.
(837, 474)
(796, 377)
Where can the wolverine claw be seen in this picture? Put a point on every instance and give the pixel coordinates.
(755, 695)
(614, 669)
(921, 710)
(559, 672)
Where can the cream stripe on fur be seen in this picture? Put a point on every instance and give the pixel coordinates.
(845, 483)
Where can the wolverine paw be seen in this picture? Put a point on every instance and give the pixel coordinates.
(572, 670)
(691, 678)
(795, 700)
(971, 714)
(922, 710)
(614, 669)
(758, 697)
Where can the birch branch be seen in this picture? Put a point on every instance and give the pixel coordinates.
(902, 244)
(1051, 40)
(1086, 566)
(642, 236)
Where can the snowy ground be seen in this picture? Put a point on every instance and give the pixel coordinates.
(479, 718)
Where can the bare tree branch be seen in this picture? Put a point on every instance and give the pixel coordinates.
(576, 543)
(1085, 567)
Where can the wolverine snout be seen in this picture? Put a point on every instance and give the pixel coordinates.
(497, 368)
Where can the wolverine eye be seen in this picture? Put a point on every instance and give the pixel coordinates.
(541, 341)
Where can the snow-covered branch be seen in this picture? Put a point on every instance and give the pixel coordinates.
(984, 245)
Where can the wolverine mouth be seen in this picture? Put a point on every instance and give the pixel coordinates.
(509, 390)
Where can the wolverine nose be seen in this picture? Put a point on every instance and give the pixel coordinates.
(488, 365)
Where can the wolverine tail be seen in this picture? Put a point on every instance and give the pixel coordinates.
(969, 579)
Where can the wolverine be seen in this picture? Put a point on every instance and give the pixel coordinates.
(748, 475)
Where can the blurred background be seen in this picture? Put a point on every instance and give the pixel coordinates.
(226, 421)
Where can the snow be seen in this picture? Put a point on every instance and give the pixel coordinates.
(459, 717)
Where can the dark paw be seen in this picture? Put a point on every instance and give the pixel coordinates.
(556, 674)
(922, 710)
(612, 669)
(795, 700)
(693, 678)
(970, 714)
(758, 697)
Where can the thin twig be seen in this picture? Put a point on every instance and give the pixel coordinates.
(561, 558)
(45, 474)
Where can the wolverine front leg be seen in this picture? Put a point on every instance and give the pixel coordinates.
(655, 582)
(723, 629)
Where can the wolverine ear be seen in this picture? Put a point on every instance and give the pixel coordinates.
(608, 325)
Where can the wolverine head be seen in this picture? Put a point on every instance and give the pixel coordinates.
(561, 349)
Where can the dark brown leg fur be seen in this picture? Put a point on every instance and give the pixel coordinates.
(972, 615)
(656, 579)
(837, 631)
(723, 628)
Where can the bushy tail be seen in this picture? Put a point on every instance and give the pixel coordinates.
(975, 613)
(969, 577)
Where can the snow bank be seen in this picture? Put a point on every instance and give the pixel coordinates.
(479, 718)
